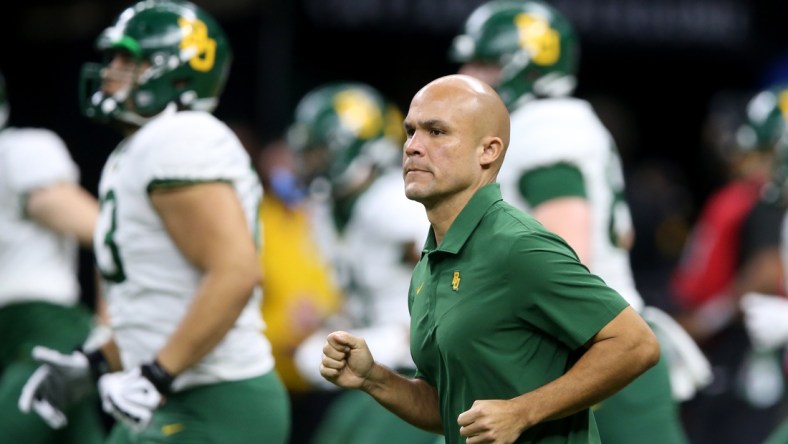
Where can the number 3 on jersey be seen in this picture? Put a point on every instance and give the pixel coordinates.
(107, 254)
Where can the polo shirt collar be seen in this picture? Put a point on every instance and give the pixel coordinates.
(466, 221)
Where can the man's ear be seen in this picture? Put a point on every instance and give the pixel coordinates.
(492, 151)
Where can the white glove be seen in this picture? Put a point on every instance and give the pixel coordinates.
(129, 397)
(689, 368)
(766, 319)
(60, 382)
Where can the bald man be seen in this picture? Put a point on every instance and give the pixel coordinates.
(513, 338)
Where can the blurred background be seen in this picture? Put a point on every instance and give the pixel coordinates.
(668, 77)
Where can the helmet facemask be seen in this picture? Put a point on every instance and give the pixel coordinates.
(129, 101)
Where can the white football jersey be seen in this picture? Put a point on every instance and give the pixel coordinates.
(149, 284)
(36, 264)
(382, 222)
(567, 130)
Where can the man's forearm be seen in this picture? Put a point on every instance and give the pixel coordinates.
(215, 308)
(111, 353)
(412, 399)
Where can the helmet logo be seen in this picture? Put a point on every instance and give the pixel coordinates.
(358, 113)
(542, 42)
(195, 38)
(782, 103)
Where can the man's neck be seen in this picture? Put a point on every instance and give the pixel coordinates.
(443, 214)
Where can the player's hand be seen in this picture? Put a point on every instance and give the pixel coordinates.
(60, 382)
(766, 319)
(490, 421)
(346, 360)
(129, 397)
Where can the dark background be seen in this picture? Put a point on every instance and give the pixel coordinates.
(650, 67)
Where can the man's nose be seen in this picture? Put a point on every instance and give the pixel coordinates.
(414, 145)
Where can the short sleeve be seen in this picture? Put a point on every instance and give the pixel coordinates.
(191, 148)
(550, 182)
(555, 131)
(558, 295)
(37, 158)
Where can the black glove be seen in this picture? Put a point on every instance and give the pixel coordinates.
(60, 382)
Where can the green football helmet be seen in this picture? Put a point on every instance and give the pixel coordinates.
(189, 58)
(3, 103)
(765, 124)
(534, 44)
(342, 131)
(766, 130)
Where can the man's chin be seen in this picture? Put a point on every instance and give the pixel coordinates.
(413, 192)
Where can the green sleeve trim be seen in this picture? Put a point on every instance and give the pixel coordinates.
(176, 183)
(560, 180)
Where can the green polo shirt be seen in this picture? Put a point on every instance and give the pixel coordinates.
(501, 308)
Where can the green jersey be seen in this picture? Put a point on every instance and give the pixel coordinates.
(500, 308)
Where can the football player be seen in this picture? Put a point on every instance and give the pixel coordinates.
(733, 250)
(764, 252)
(45, 216)
(563, 168)
(349, 138)
(175, 244)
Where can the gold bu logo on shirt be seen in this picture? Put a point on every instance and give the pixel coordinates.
(455, 282)
(171, 429)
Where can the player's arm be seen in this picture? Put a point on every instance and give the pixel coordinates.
(65, 208)
(348, 363)
(570, 218)
(557, 197)
(207, 223)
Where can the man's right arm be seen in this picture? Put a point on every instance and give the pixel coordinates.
(348, 363)
(622, 350)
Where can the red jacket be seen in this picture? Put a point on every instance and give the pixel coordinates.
(710, 257)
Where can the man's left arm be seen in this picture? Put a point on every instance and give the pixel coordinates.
(615, 356)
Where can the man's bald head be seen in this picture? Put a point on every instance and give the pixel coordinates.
(486, 106)
(481, 105)
(458, 131)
